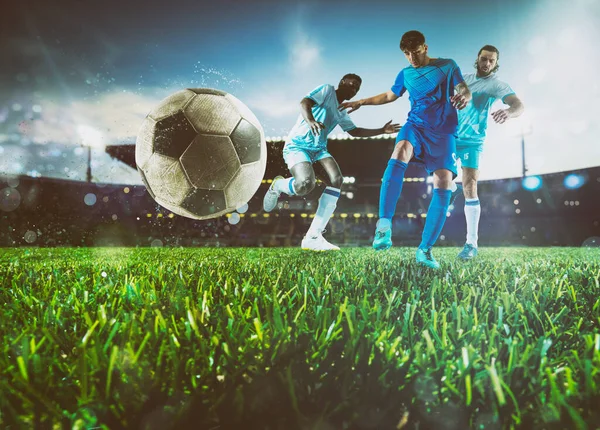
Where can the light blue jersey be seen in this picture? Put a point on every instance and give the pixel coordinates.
(472, 120)
(325, 111)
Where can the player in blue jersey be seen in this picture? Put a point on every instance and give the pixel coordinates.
(472, 123)
(307, 144)
(437, 89)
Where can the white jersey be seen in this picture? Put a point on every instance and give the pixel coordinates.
(325, 111)
(472, 120)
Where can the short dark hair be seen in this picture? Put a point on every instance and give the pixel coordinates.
(411, 40)
(352, 76)
(490, 48)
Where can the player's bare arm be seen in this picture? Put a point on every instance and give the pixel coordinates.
(462, 96)
(306, 106)
(379, 99)
(515, 108)
(388, 128)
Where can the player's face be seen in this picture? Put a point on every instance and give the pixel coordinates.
(486, 62)
(418, 56)
(350, 87)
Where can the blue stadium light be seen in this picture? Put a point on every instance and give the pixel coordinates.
(532, 183)
(574, 181)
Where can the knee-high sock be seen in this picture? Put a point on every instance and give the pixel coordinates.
(436, 217)
(391, 188)
(327, 204)
(472, 213)
(285, 186)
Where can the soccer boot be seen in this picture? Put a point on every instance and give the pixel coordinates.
(425, 258)
(468, 252)
(316, 242)
(455, 193)
(383, 235)
(271, 197)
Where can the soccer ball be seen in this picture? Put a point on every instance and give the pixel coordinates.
(201, 153)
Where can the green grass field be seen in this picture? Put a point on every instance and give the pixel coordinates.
(285, 339)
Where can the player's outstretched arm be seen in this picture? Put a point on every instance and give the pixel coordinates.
(379, 99)
(388, 128)
(515, 108)
(462, 96)
(306, 106)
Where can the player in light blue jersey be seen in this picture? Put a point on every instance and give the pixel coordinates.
(307, 144)
(436, 90)
(472, 124)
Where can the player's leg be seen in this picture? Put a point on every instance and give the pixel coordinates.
(436, 216)
(327, 204)
(472, 211)
(462, 154)
(440, 159)
(299, 161)
(391, 188)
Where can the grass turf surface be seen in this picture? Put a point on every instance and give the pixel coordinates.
(281, 338)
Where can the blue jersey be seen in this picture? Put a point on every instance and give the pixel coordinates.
(473, 118)
(430, 88)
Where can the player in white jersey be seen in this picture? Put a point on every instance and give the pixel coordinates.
(472, 123)
(307, 144)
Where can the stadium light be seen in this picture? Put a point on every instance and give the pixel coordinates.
(90, 136)
(574, 181)
(532, 183)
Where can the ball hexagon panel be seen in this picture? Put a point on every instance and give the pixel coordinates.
(175, 209)
(245, 112)
(212, 114)
(241, 189)
(144, 142)
(247, 142)
(171, 104)
(145, 181)
(205, 203)
(167, 178)
(207, 91)
(210, 162)
(172, 135)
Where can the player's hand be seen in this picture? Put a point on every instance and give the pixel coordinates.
(316, 127)
(390, 128)
(355, 105)
(500, 116)
(459, 101)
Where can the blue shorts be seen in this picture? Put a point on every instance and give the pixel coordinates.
(468, 153)
(294, 154)
(435, 150)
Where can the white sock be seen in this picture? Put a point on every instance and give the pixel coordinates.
(327, 204)
(285, 186)
(472, 213)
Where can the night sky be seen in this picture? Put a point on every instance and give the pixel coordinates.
(87, 72)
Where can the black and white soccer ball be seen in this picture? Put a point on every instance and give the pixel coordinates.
(201, 153)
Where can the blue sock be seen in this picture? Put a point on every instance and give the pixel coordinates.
(436, 217)
(391, 187)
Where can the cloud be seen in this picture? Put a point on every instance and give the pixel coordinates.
(278, 101)
(274, 103)
(116, 116)
(304, 53)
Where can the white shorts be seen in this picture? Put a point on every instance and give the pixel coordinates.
(293, 154)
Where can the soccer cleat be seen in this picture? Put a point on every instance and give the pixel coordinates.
(316, 242)
(455, 193)
(425, 258)
(383, 236)
(271, 197)
(468, 252)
